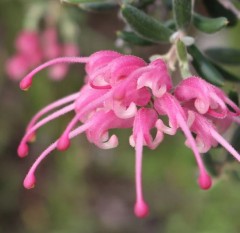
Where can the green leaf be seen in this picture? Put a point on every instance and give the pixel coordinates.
(182, 10)
(227, 75)
(209, 25)
(132, 38)
(233, 95)
(215, 9)
(182, 59)
(144, 25)
(211, 165)
(204, 67)
(228, 56)
(80, 1)
(97, 7)
(144, 3)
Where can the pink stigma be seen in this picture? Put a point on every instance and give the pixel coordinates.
(26, 83)
(23, 150)
(204, 181)
(141, 209)
(29, 181)
(63, 143)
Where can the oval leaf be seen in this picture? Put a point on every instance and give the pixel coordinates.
(144, 25)
(211, 165)
(204, 67)
(209, 25)
(144, 3)
(227, 75)
(182, 10)
(97, 7)
(228, 56)
(215, 9)
(132, 38)
(80, 1)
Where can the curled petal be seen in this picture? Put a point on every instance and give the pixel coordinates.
(123, 112)
(112, 142)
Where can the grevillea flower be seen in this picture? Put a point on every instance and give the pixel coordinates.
(33, 48)
(123, 91)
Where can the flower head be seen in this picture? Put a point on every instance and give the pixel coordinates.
(123, 91)
(32, 48)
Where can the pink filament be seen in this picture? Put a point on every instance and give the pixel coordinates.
(225, 144)
(141, 208)
(204, 179)
(50, 107)
(53, 116)
(47, 151)
(64, 142)
(27, 81)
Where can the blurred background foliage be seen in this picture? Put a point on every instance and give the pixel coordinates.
(90, 190)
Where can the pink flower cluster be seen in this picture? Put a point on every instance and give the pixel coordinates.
(33, 48)
(123, 91)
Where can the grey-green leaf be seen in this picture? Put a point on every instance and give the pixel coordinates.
(97, 6)
(227, 56)
(144, 25)
(204, 67)
(182, 10)
(212, 166)
(227, 75)
(216, 9)
(80, 1)
(133, 38)
(209, 25)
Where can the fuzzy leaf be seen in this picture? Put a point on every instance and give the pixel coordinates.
(204, 67)
(211, 165)
(228, 56)
(133, 38)
(97, 6)
(209, 25)
(182, 10)
(80, 1)
(144, 25)
(227, 75)
(216, 9)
